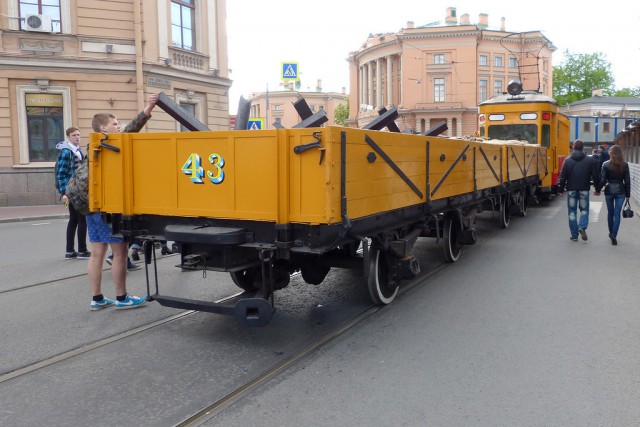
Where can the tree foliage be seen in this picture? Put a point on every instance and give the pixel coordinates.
(579, 74)
(628, 92)
(341, 114)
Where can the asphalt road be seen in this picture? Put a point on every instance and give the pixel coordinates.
(527, 328)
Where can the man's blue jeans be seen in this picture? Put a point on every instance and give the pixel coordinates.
(575, 200)
(614, 207)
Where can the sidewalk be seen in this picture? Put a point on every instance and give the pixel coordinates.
(30, 213)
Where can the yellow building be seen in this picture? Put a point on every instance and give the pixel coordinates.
(278, 109)
(62, 61)
(443, 70)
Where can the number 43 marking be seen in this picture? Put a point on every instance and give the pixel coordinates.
(193, 168)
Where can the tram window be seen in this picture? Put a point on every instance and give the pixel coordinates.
(546, 136)
(515, 132)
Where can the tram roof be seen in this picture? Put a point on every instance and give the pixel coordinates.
(526, 96)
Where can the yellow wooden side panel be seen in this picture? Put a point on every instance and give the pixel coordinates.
(231, 175)
(451, 167)
(107, 170)
(312, 197)
(488, 165)
(372, 183)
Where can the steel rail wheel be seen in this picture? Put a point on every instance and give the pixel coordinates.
(523, 202)
(505, 210)
(452, 238)
(381, 288)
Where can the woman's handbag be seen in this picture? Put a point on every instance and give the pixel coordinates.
(626, 210)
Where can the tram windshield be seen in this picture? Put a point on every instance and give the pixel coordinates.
(527, 133)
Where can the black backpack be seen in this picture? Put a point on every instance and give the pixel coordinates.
(78, 187)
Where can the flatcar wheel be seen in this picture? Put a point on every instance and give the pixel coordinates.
(523, 202)
(452, 239)
(381, 288)
(505, 210)
(248, 280)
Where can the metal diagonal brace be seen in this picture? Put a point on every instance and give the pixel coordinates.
(395, 167)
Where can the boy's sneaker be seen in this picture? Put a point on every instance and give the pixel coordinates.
(104, 303)
(573, 239)
(583, 233)
(166, 251)
(109, 259)
(84, 255)
(130, 302)
(71, 255)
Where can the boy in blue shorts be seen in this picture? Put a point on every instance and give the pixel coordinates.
(100, 232)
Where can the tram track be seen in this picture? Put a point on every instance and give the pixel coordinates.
(253, 384)
(67, 355)
(268, 372)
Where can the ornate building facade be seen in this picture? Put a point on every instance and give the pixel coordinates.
(443, 71)
(277, 107)
(62, 61)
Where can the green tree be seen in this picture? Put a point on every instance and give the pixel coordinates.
(579, 74)
(628, 92)
(341, 114)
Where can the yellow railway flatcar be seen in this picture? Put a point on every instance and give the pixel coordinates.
(264, 204)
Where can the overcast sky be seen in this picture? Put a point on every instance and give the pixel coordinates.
(320, 35)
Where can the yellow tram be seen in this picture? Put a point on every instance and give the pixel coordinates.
(532, 117)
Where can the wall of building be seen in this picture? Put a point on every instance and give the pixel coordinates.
(281, 106)
(443, 71)
(103, 60)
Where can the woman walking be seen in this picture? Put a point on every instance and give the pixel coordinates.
(615, 174)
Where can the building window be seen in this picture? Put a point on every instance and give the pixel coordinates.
(586, 127)
(277, 107)
(438, 58)
(182, 24)
(497, 87)
(45, 125)
(482, 90)
(50, 8)
(606, 127)
(438, 90)
(278, 122)
(545, 65)
(497, 61)
(513, 63)
(483, 61)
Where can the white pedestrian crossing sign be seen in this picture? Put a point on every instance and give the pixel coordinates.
(290, 71)
(255, 124)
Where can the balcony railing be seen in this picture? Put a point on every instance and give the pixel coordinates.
(191, 61)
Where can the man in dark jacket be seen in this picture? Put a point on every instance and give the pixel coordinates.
(578, 170)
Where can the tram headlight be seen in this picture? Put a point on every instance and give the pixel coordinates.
(515, 87)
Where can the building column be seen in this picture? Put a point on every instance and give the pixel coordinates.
(389, 80)
(369, 84)
(449, 125)
(361, 86)
(379, 102)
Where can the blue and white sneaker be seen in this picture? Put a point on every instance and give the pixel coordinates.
(104, 303)
(130, 302)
